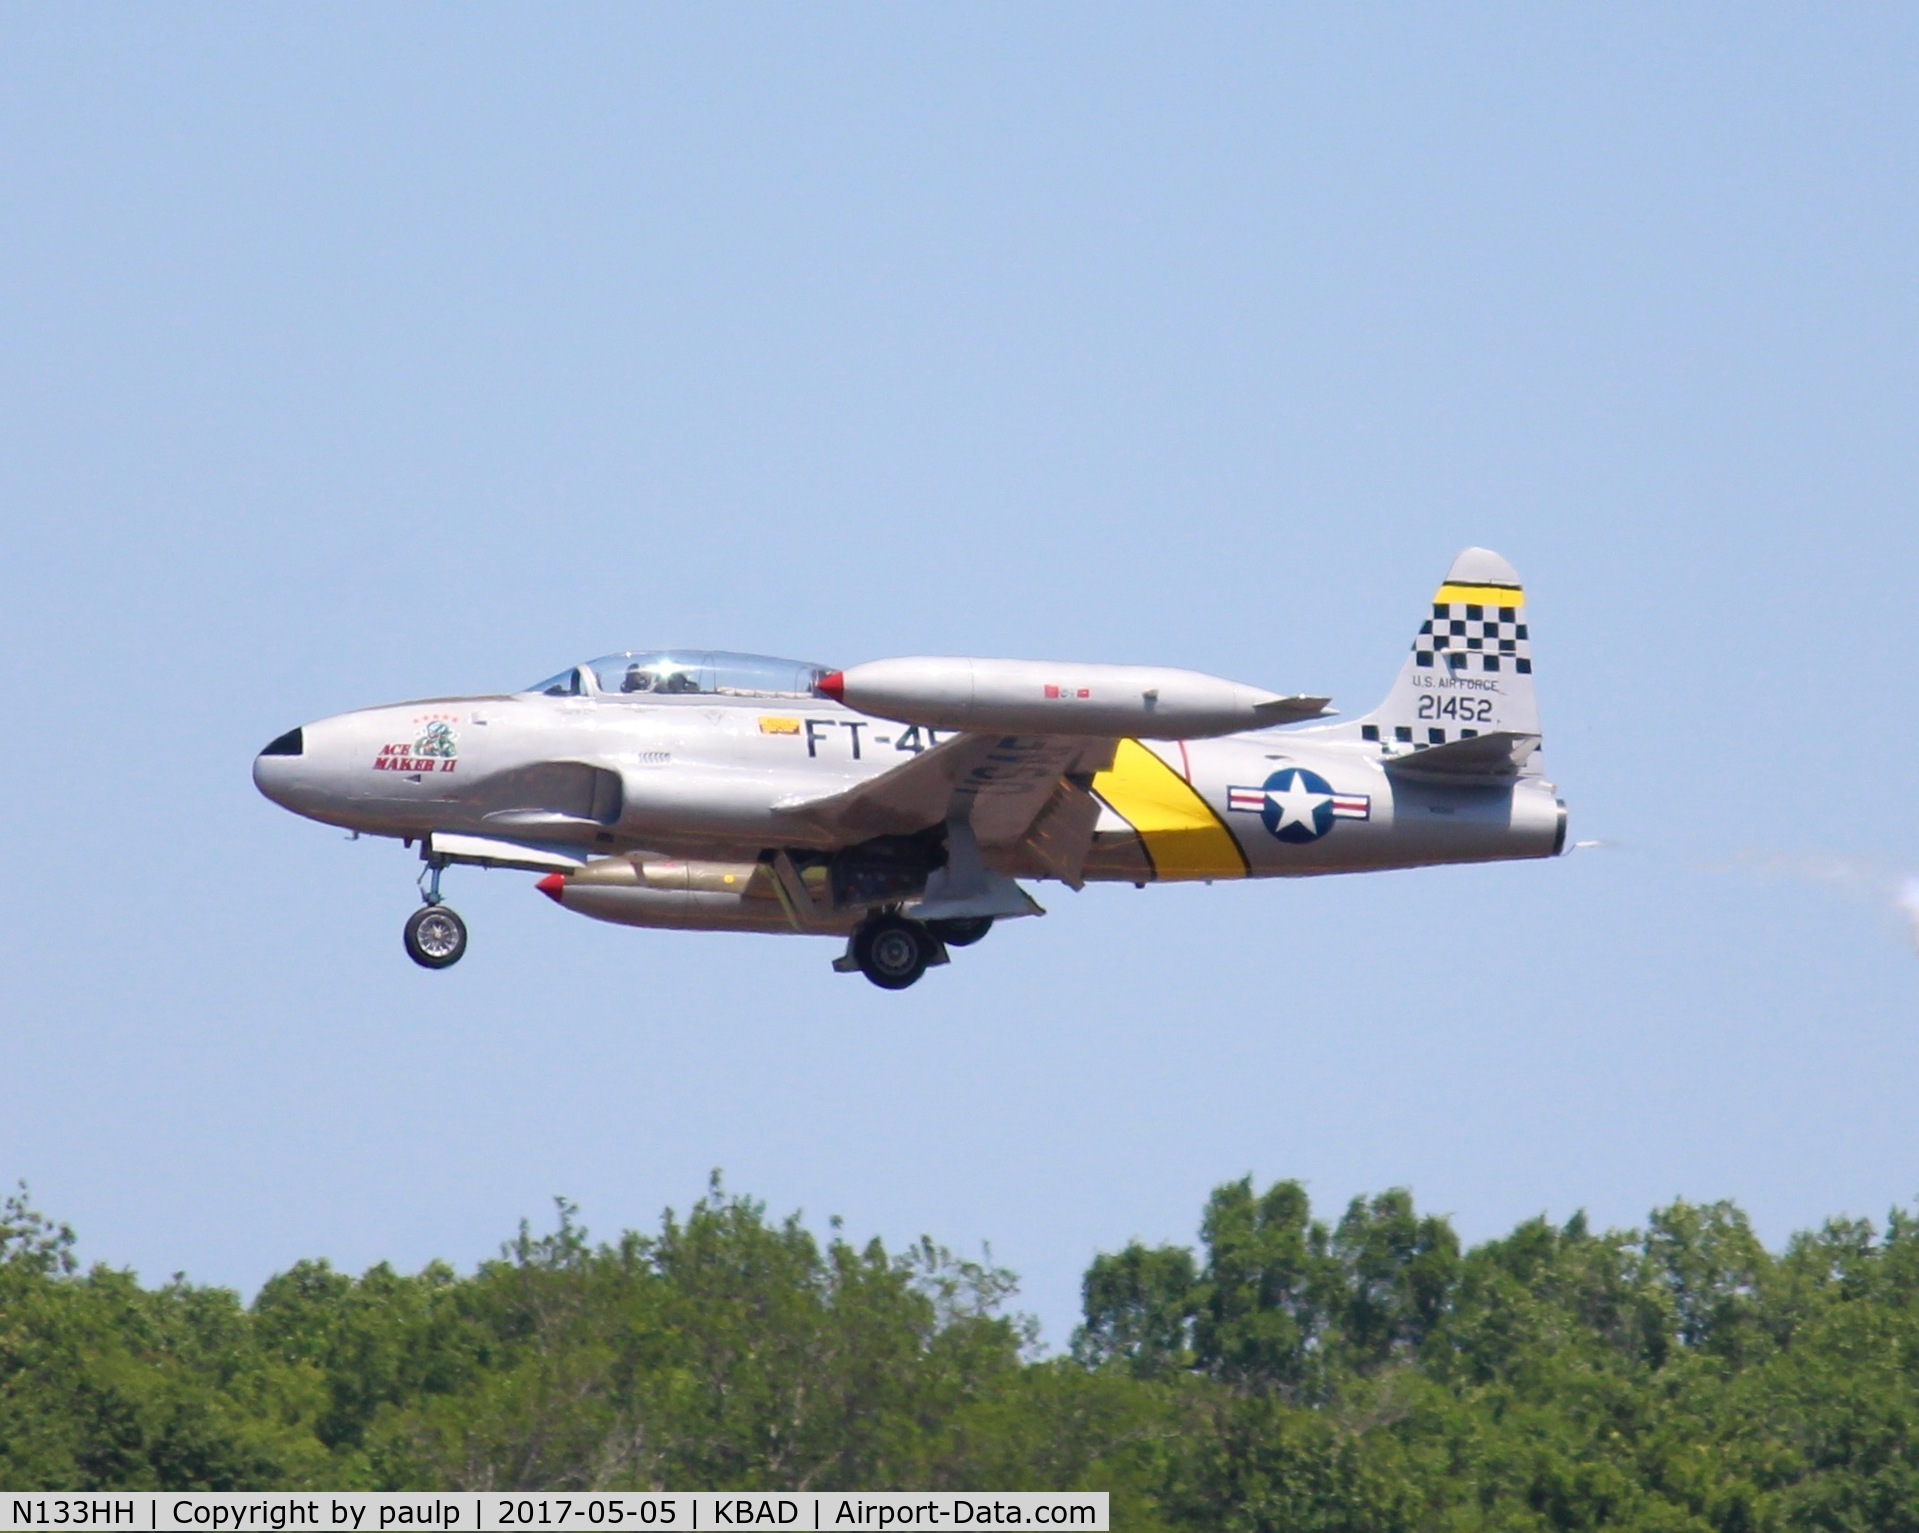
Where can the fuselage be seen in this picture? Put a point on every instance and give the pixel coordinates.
(717, 778)
(904, 803)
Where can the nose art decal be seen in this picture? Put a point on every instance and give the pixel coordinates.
(436, 749)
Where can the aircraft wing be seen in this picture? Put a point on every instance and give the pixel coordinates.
(1496, 755)
(1014, 790)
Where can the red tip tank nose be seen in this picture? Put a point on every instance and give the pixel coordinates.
(832, 685)
(551, 886)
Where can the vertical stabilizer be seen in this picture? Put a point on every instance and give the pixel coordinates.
(1470, 672)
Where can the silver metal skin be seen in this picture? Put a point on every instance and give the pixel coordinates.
(729, 792)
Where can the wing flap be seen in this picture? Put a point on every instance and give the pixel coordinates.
(1062, 833)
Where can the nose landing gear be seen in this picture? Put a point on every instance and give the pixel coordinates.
(435, 936)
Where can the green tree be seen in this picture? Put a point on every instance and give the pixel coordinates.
(1284, 1375)
(1139, 1307)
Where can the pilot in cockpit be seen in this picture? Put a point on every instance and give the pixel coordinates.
(666, 678)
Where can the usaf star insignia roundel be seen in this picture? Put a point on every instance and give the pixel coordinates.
(1297, 805)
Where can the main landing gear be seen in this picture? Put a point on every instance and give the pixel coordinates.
(961, 931)
(893, 951)
(435, 936)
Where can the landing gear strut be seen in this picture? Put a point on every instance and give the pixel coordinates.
(435, 936)
(894, 952)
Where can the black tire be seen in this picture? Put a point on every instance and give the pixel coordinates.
(961, 931)
(435, 937)
(893, 952)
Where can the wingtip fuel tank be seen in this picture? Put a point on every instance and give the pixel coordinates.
(1139, 702)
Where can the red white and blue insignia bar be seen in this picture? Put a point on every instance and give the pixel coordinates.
(1345, 806)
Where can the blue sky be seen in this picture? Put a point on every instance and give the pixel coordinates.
(352, 354)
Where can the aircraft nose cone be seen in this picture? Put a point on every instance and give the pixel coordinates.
(276, 767)
(552, 886)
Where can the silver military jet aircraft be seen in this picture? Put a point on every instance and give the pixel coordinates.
(898, 804)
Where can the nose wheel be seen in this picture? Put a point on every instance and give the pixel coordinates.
(435, 937)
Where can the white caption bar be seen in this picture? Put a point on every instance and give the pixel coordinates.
(210, 1511)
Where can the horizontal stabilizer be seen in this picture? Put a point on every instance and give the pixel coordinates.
(1499, 753)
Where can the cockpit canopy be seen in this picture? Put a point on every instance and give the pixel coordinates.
(649, 673)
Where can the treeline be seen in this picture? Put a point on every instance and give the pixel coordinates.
(1291, 1374)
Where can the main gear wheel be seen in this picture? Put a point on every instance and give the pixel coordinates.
(893, 952)
(960, 931)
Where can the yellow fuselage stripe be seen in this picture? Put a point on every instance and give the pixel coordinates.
(1483, 596)
(1182, 835)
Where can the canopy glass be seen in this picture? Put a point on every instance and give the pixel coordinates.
(648, 673)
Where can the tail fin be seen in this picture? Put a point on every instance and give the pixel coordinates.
(1470, 672)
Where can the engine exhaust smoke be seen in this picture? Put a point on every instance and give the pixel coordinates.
(1896, 894)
